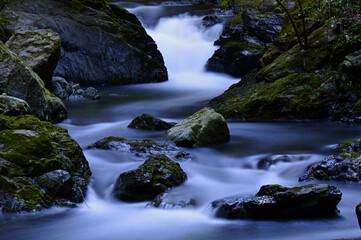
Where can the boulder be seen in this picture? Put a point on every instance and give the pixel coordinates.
(211, 20)
(13, 106)
(101, 43)
(41, 165)
(243, 40)
(18, 80)
(205, 127)
(346, 168)
(149, 122)
(352, 63)
(172, 201)
(60, 88)
(358, 213)
(39, 48)
(278, 202)
(156, 175)
(144, 148)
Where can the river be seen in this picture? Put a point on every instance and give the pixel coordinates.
(213, 173)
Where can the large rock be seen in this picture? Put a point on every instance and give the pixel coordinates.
(243, 40)
(205, 127)
(39, 48)
(346, 167)
(278, 202)
(144, 148)
(18, 80)
(101, 43)
(13, 106)
(358, 213)
(149, 122)
(41, 165)
(156, 175)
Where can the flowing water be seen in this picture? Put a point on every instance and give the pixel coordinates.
(213, 172)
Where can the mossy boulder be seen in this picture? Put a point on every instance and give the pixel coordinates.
(144, 148)
(19, 80)
(39, 48)
(101, 43)
(35, 157)
(279, 202)
(13, 106)
(156, 175)
(149, 122)
(205, 127)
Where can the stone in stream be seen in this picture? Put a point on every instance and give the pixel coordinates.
(172, 201)
(141, 148)
(155, 176)
(149, 122)
(278, 202)
(205, 127)
(358, 213)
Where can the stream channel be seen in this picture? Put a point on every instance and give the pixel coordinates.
(214, 172)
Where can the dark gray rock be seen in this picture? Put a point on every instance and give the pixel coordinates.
(358, 213)
(18, 80)
(243, 40)
(278, 202)
(61, 88)
(13, 106)
(142, 148)
(156, 175)
(91, 93)
(268, 161)
(340, 168)
(101, 43)
(39, 48)
(58, 182)
(149, 122)
(211, 20)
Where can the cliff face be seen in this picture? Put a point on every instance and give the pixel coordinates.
(101, 43)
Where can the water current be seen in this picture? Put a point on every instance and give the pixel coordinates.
(213, 173)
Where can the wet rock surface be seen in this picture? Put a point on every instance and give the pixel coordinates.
(156, 175)
(278, 202)
(149, 122)
(172, 201)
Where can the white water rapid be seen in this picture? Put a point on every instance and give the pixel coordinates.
(213, 173)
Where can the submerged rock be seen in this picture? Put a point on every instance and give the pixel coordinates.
(149, 122)
(101, 43)
(358, 213)
(13, 106)
(71, 91)
(142, 148)
(266, 162)
(41, 165)
(38, 48)
(156, 175)
(18, 80)
(205, 127)
(278, 202)
(172, 201)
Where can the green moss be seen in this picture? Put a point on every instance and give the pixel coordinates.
(237, 20)
(7, 185)
(349, 154)
(346, 144)
(357, 106)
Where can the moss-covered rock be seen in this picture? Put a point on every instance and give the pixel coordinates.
(18, 80)
(30, 150)
(156, 175)
(278, 202)
(205, 127)
(39, 48)
(101, 43)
